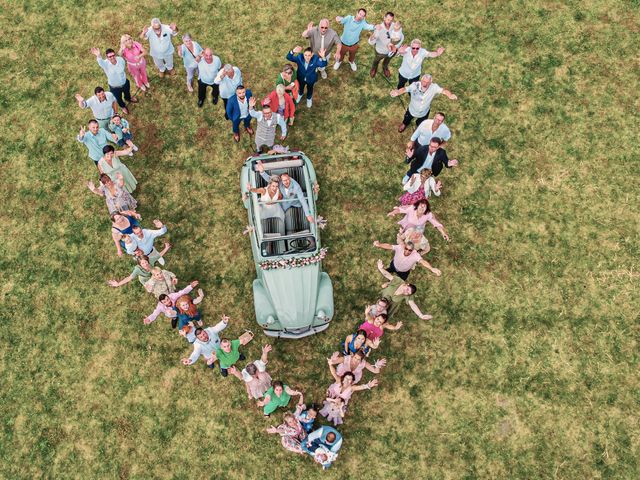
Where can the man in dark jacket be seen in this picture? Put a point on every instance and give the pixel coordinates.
(238, 111)
(428, 156)
(307, 63)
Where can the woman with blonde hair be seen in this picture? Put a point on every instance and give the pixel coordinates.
(161, 281)
(269, 195)
(133, 52)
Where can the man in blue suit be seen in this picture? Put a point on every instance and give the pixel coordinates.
(238, 111)
(307, 64)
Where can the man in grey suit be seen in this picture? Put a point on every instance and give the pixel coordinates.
(322, 38)
(291, 192)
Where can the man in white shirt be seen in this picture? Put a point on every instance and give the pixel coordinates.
(266, 125)
(429, 129)
(228, 78)
(160, 45)
(382, 40)
(143, 240)
(422, 94)
(114, 68)
(412, 58)
(206, 343)
(102, 104)
(208, 68)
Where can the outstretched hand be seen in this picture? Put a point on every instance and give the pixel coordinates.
(297, 49)
(95, 51)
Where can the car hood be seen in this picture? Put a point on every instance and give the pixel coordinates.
(294, 293)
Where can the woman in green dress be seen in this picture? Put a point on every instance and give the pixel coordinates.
(278, 396)
(111, 165)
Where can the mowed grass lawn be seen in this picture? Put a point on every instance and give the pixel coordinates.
(529, 368)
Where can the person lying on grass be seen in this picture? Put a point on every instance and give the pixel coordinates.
(397, 291)
(357, 341)
(255, 376)
(187, 311)
(278, 396)
(405, 258)
(292, 433)
(228, 352)
(417, 215)
(307, 415)
(323, 445)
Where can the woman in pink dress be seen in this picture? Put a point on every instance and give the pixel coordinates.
(134, 54)
(418, 215)
(292, 433)
(339, 393)
(355, 363)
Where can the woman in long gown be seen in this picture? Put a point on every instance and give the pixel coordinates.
(268, 197)
(111, 165)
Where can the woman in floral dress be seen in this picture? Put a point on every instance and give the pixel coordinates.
(292, 433)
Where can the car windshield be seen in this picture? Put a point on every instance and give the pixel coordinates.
(291, 245)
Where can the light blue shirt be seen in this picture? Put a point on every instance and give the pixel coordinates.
(117, 129)
(160, 46)
(423, 134)
(293, 195)
(115, 73)
(428, 161)
(95, 143)
(352, 29)
(146, 242)
(244, 108)
(228, 85)
(188, 59)
(207, 72)
(101, 110)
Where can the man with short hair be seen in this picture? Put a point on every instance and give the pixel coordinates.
(431, 156)
(405, 258)
(166, 303)
(322, 38)
(397, 291)
(206, 343)
(412, 58)
(114, 68)
(429, 129)
(228, 78)
(266, 125)
(422, 94)
(143, 239)
(228, 353)
(350, 38)
(95, 139)
(323, 445)
(160, 44)
(102, 104)
(238, 111)
(291, 192)
(307, 63)
(208, 68)
(382, 40)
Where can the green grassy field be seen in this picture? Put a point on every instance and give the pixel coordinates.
(529, 368)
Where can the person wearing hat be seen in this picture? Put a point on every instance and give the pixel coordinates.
(160, 45)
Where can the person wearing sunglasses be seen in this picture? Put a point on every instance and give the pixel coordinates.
(160, 45)
(412, 58)
(383, 41)
(405, 258)
(322, 38)
(114, 68)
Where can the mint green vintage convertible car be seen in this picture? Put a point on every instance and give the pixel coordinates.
(292, 296)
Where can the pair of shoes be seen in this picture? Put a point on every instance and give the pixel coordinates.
(172, 71)
(387, 73)
(215, 100)
(200, 103)
(402, 127)
(299, 98)
(373, 72)
(143, 88)
(161, 261)
(135, 148)
(133, 100)
(354, 67)
(309, 102)
(147, 85)
(337, 65)
(323, 74)
(161, 74)
(189, 89)
(125, 110)
(236, 137)
(249, 130)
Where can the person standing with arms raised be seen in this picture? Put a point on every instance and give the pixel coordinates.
(350, 38)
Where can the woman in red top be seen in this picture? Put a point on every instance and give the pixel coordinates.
(281, 102)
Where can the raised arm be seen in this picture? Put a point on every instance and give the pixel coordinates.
(418, 312)
(377, 366)
(384, 273)
(449, 95)
(332, 369)
(95, 190)
(367, 386)
(428, 266)
(434, 221)
(295, 393)
(265, 353)
(82, 104)
(384, 246)
(119, 283)
(398, 91)
(199, 299)
(438, 51)
(305, 34)
(336, 358)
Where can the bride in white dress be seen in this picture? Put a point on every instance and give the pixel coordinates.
(268, 197)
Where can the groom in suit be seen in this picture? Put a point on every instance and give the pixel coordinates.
(238, 111)
(431, 156)
(307, 64)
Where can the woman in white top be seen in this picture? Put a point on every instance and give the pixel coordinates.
(268, 197)
(420, 186)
